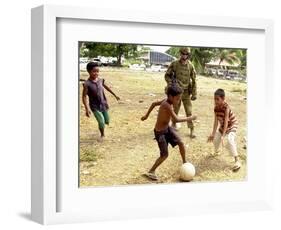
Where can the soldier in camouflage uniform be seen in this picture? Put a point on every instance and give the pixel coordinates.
(182, 73)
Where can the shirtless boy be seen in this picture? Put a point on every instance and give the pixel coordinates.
(165, 134)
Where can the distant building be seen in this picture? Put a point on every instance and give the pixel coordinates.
(222, 64)
(223, 69)
(156, 58)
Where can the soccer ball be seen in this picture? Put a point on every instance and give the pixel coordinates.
(187, 172)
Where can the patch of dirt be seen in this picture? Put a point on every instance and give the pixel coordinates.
(129, 149)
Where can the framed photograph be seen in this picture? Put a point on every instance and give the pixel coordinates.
(146, 114)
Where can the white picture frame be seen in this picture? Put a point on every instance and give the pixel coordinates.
(46, 183)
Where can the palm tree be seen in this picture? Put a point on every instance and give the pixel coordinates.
(201, 56)
(242, 55)
(229, 56)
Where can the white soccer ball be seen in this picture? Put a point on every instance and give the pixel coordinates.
(187, 172)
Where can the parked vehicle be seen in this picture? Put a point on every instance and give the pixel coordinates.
(211, 72)
(84, 60)
(163, 69)
(97, 60)
(220, 73)
(83, 63)
(137, 67)
(231, 74)
(104, 61)
(157, 68)
(239, 78)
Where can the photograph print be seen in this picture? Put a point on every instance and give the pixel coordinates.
(151, 114)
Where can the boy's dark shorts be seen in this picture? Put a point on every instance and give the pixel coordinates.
(164, 137)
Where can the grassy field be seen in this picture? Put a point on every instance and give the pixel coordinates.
(129, 149)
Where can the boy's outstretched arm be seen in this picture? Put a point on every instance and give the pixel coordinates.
(177, 119)
(109, 90)
(215, 127)
(152, 106)
(84, 100)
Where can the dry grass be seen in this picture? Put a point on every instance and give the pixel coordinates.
(129, 149)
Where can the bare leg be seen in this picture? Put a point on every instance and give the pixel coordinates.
(182, 152)
(101, 132)
(101, 139)
(158, 162)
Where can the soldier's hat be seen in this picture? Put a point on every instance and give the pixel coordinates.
(185, 50)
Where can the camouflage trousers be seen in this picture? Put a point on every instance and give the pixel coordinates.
(186, 101)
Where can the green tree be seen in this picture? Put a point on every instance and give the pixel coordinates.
(229, 56)
(242, 55)
(201, 56)
(142, 49)
(128, 51)
(173, 51)
(93, 49)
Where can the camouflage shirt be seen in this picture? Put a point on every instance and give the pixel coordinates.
(183, 75)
